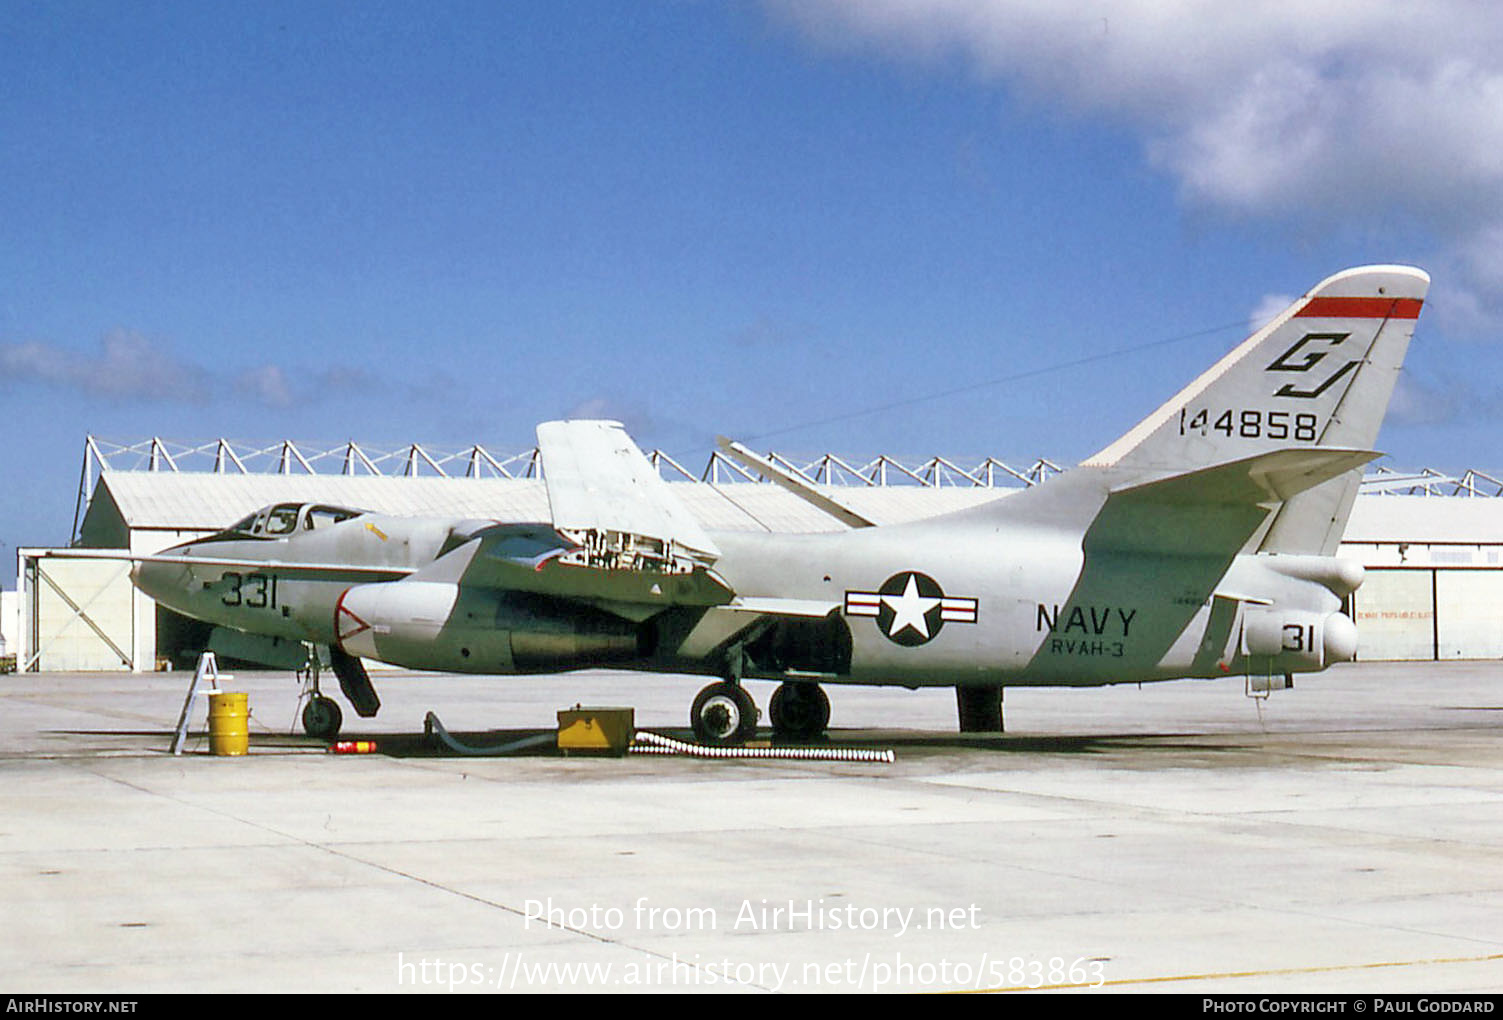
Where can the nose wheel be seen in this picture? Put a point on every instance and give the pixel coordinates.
(322, 717)
(723, 715)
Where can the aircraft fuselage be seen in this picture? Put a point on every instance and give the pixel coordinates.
(909, 606)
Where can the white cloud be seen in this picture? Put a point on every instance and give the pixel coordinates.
(126, 365)
(266, 384)
(596, 408)
(636, 417)
(1270, 306)
(1416, 403)
(130, 366)
(1307, 110)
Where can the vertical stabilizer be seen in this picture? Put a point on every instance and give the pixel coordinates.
(1319, 375)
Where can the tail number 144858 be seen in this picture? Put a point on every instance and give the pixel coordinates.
(1254, 424)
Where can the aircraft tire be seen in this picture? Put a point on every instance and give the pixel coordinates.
(322, 717)
(800, 711)
(723, 715)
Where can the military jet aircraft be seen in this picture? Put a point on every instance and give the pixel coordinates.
(1199, 544)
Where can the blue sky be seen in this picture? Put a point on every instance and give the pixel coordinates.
(447, 222)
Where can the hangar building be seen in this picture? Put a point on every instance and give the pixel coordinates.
(1432, 545)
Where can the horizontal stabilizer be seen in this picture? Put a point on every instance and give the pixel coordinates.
(1267, 477)
(604, 495)
(1214, 511)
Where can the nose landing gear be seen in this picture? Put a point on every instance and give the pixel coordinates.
(322, 717)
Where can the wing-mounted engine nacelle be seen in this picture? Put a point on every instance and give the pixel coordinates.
(442, 626)
(1284, 640)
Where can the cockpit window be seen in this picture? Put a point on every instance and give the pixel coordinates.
(323, 516)
(283, 519)
(243, 526)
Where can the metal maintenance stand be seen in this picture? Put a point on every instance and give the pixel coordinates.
(208, 669)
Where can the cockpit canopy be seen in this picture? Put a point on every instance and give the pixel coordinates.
(284, 519)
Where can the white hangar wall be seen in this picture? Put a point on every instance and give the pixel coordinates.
(1434, 587)
(80, 614)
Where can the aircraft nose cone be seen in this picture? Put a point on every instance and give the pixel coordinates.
(162, 581)
(146, 577)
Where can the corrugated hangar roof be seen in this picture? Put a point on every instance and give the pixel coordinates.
(155, 487)
(190, 501)
(152, 500)
(157, 500)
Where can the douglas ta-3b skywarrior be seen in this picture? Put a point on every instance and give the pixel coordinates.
(1200, 544)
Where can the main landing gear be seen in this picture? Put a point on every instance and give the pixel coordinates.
(724, 714)
(800, 711)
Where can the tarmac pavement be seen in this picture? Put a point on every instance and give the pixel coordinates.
(1345, 836)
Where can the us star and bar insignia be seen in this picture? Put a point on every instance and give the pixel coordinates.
(910, 608)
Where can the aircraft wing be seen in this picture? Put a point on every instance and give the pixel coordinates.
(604, 496)
(618, 539)
(371, 570)
(543, 560)
(794, 483)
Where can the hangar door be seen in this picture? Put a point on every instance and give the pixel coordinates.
(1430, 613)
(1396, 615)
(1469, 614)
(77, 614)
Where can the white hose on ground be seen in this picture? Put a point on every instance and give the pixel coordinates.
(653, 743)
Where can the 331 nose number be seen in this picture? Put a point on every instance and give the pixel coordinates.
(253, 591)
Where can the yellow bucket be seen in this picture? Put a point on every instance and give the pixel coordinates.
(229, 728)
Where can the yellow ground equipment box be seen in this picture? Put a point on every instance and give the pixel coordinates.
(602, 730)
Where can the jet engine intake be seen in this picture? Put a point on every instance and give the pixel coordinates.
(444, 626)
